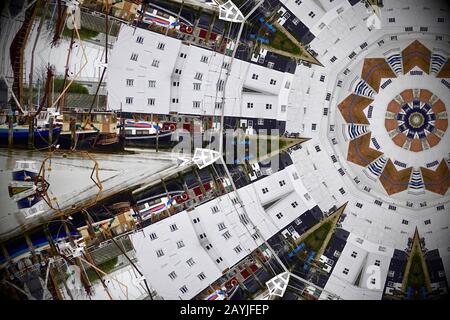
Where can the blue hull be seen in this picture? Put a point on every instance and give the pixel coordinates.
(20, 137)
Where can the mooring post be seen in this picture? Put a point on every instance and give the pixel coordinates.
(30, 132)
(50, 132)
(73, 133)
(10, 131)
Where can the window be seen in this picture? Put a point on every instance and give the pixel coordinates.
(282, 183)
(405, 222)
(260, 122)
(172, 275)
(219, 260)
(264, 190)
(130, 82)
(294, 204)
(153, 236)
(196, 104)
(184, 289)
(174, 100)
(311, 14)
(180, 244)
(298, 221)
(243, 219)
(134, 57)
(225, 65)
(151, 101)
(199, 76)
(201, 276)
(322, 78)
(161, 45)
(196, 220)
(176, 83)
(140, 39)
(440, 208)
(341, 171)
(313, 126)
(391, 20)
(204, 59)
(373, 281)
(203, 235)
(325, 113)
(279, 215)
(155, 63)
(295, 21)
(237, 249)
(333, 59)
(317, 148)
(129, 100)
(352, 55)
(345, 271)
(214, 209)
(273, 82)
(190, 262)
(197, 86)
(440, 19)
(159, 253)
(423, 29)
(333, 158)
(178, 71)
(377, 263)
(287, 85)
(218, 105)
(408, 29)
(298, 2)
(283, 108)
(328, 96)
(359, 205)
(151, 83)
(342, 191)
(249, 105)
(354, 254)
(220, 85)
(173, 227)
(307, 196)
(295, 175)
(255, 236)
(270, 65)
(226, 235)
(221, 226)
(209, 246)
(183, 55)
(363, 45)
(268, 106)
(255, 76)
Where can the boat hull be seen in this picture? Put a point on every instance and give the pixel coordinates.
(20, 137)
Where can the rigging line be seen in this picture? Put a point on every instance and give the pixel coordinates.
(79, 71)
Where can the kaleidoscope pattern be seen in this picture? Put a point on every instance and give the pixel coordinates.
(416, 120)
(413, 123)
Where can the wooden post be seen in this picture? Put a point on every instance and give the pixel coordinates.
(10, 131)
(50, 132)
(30, 132)
(73, 132)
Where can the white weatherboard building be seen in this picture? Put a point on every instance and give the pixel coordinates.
(182, 254)
(381, 225)
(155, 74)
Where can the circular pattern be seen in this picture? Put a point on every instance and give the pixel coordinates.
(412, 122)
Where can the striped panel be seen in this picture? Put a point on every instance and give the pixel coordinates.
(395, 61)
(356, 130)
(437, 61)
(375, 168)
(363, 89)
(416, 180)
